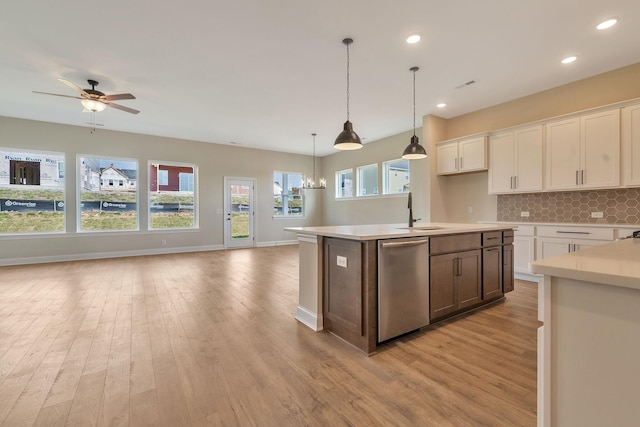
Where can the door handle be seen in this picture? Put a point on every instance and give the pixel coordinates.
(577, 172)
(461, 163)
(455, 163)
(515, 182)
(582, 176)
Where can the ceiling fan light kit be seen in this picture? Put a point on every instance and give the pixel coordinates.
(347, 139)
(93, 100)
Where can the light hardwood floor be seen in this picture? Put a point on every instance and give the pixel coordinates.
(210, 339)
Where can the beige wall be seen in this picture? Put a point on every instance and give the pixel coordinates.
(377, 209)
(214, 162)
(452, 196)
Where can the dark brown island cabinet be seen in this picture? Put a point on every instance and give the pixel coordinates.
(466, 271)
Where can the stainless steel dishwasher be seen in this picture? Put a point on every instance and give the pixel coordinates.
(403, 286)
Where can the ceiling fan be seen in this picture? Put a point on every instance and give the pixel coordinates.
(94, 100)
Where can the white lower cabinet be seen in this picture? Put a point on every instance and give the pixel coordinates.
(524, 248)
(559, 240)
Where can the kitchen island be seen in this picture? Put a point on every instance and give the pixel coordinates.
(341, 275)
(588, 346)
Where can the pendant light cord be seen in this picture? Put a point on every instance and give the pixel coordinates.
(414, 103)
(348, 43)
(314, 158)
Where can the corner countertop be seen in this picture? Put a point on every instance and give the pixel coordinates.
(391, 231)
(615, 264)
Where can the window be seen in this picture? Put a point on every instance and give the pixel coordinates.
(368, 180)
(31, 191)
(395, 176)
(344, 183)
(287, 194)
(172, 198)
(108, 194)
(163, 177)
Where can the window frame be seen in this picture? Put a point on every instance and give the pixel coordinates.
(285, 193)
(385, 176)
(359, 180)
(60, 183)
(196, 205)
(338, 193)
(79, 188)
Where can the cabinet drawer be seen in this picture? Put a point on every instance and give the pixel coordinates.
(589, 233)
(507, 237)
(525, 230)
(492, 238)
(455, 243)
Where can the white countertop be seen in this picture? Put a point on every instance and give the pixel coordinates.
(390, 231)
(563, 224)
(616, 264)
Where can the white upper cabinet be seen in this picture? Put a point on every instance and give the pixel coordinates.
(515, 161)
(631, 145)
(583, 152)
(460, 156)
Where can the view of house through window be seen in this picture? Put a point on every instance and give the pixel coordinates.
(171, 195)
(344, 183)
(395, 175)
(31, 191)
(108, 194)
(368, 180)
(287, 194)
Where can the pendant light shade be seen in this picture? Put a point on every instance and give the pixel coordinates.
(414, 150)
(309, 183)
(348, 139)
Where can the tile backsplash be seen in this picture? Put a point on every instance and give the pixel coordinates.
(620, 206)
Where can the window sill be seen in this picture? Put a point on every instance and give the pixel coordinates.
(373, 196)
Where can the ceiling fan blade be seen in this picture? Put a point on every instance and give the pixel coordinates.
(73, 86)
(119, 96)
(57, 94)
(122, 107)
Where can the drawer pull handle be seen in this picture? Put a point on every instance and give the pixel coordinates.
(572, 232)
(492, 238)
(492, 249)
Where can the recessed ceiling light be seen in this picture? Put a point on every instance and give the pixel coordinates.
(441, 105)
(569, 59)
(415, 38)
(607, 24)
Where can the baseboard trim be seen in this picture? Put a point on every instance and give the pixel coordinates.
(309, 319)
(530, 277)
(276, 243)
(101, 255)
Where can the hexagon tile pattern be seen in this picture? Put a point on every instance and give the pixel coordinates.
(620, 206)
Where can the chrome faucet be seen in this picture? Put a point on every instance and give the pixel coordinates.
(410, 206)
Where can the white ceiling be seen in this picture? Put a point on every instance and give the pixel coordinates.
(266, 74)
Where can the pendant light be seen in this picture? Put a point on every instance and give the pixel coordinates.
(414, 150)
(348, 139)
(309, 183)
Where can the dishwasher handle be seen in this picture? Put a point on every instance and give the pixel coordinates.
(409, 243)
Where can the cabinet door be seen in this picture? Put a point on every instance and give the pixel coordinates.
(549, 247)
(491, 272)
(528, 159)
(501, 154)
(600, 149)
(631, 145)
(507, 268)
(447, 158)
(523, 253)
(472, 154)
(562, 154)
(442, 295)
(469, 279)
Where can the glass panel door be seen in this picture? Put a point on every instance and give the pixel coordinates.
(239, 213)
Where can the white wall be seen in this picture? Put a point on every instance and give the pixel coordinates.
(375, 209)
(214, 162)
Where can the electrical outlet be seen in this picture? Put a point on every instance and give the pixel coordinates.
(163, 242)
(597, 215)
(470, 209)
(341, 261)
(524, 214)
